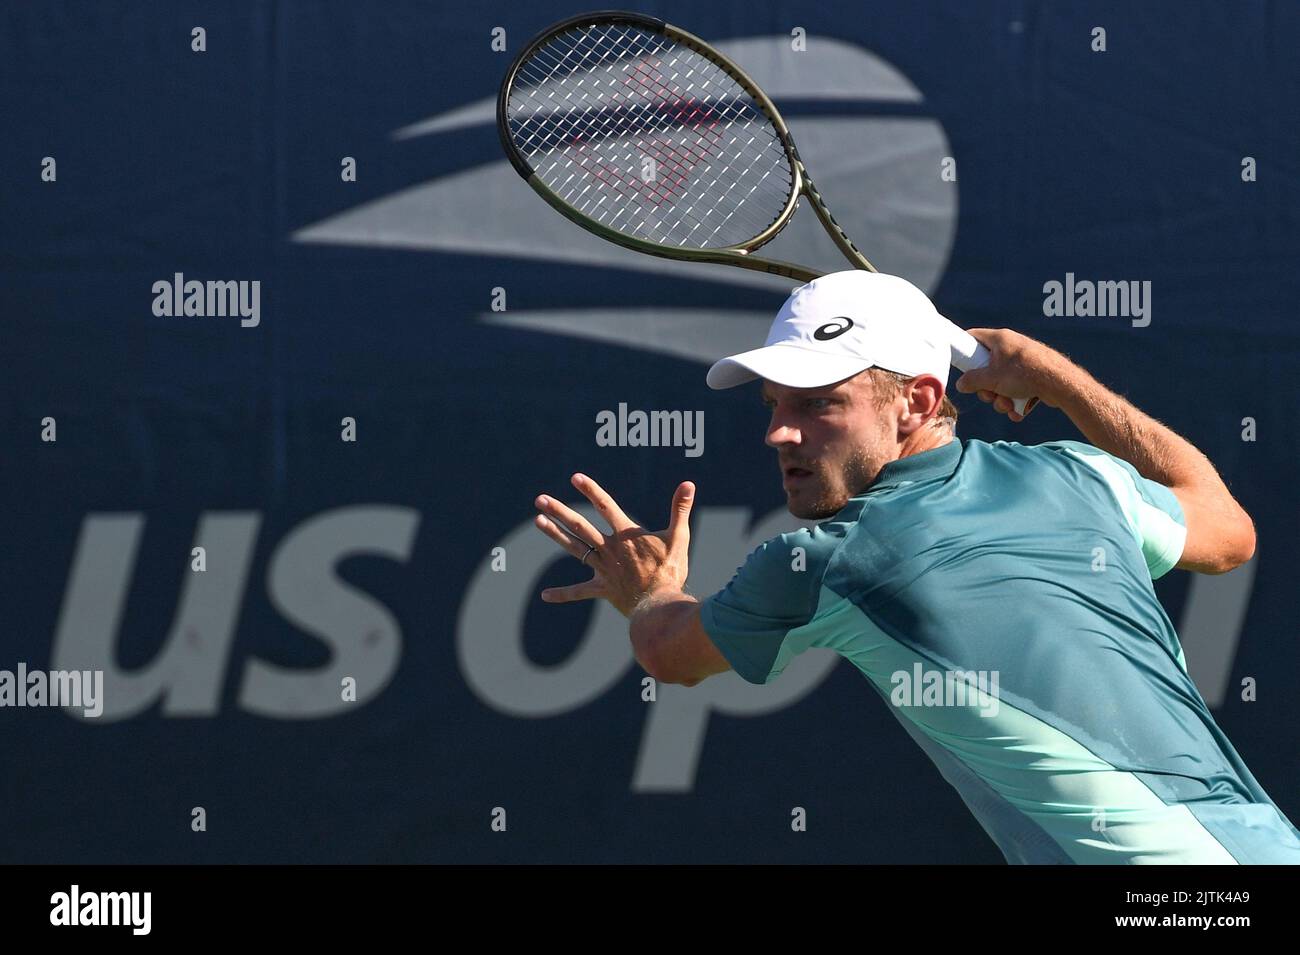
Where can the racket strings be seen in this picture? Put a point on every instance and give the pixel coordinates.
(593, 105)
(619, 175)
(709, 136)
(739, 109)
(593, 124)
(652, 80)
(677, 161)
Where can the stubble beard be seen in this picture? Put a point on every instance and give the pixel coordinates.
(857, 474)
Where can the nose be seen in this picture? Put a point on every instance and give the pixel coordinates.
(779, 434)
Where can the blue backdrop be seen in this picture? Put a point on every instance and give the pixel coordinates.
(406, 559)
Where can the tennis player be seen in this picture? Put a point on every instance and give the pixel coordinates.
(1083, 740)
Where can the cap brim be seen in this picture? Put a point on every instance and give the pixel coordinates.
(784, 364)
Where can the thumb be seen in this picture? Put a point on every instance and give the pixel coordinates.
(679, 521)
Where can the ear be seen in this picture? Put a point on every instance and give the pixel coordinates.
(924, 395)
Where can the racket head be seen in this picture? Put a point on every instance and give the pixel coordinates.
(593, 102)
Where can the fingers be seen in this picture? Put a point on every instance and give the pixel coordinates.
(1008, 408)
(577, 525)
(977, 379)
(605, 504)
(679, 519)
(574, 538)
(561, 536)
(973, 380)
(586, 590)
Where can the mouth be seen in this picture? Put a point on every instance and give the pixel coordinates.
(794, 475)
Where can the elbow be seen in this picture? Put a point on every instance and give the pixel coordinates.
(663, 672)
(647, 650)
(661, 645)
(1245, 543)
(1238, 547)
(655, 669)
(646, 644)
(642, 649)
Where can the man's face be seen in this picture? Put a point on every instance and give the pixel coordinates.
(831, 442)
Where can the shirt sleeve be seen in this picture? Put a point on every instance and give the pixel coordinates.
(774, 593)
(1151, 510)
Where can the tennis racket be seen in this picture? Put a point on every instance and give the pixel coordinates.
(648, 137)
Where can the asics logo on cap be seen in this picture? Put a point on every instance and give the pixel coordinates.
(833, 330)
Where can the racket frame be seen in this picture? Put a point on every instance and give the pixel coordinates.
(967, 352)
(737, 255)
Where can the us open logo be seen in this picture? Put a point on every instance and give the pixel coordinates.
(859, 121)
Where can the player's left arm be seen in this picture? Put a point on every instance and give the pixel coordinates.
(669, 640)
(755, 625)
(642, 574)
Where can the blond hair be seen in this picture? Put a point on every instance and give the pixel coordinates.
(889, 385)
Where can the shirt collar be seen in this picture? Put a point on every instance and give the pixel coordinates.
(937, 462)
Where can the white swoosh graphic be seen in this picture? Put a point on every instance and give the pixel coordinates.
(879, 175)
(827, 69)
(697, 335)
(866, 168)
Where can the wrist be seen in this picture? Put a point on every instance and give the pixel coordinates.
(1062, 384)
(656, 596)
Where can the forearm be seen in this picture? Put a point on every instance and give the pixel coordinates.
(661, 628)
(654, 617)
(1112, 423)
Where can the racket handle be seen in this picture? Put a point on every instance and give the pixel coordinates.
(968, 353)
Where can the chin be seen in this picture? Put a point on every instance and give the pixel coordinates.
(812, 510)
(818, 515)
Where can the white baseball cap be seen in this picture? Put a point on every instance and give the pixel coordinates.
(841, 324)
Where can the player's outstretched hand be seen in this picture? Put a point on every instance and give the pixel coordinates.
(631, 562)
(1019, 367)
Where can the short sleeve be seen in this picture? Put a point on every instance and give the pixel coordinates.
(772, 594)
(1151, 510)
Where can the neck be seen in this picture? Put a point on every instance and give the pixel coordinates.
(927, 439)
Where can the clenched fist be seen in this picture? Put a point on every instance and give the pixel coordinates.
(1019, 367)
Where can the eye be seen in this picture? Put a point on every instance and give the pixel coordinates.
(825, 402)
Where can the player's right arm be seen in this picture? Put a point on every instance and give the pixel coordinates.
(1220, 534)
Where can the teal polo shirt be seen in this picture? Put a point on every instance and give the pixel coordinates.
(999, 597)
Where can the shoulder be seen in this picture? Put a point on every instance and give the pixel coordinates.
(1093, 477)
(1121, 477)
(804, 550)
(776, 592)
(781, 578)
(1064, 459)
